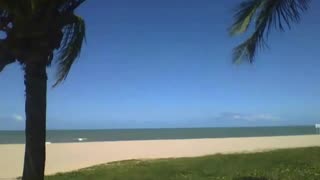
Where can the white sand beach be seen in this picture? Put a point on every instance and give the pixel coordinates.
(62, 157)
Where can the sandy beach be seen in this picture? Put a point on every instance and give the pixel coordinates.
(71, 156)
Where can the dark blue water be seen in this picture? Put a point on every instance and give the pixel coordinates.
(60, 136)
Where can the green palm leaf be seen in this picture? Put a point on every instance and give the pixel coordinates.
(63, 20)
(67, 6)
(264, 14)
(5, 56)
(243, 16)
(74, 35)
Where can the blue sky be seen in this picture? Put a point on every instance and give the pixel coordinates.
(150, 63)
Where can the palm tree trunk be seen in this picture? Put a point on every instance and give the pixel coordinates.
(35, 109)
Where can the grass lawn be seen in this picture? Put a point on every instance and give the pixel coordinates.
(289, 164)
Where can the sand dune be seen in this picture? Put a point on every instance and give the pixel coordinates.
(70, 156)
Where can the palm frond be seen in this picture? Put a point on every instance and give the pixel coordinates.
(21, 7)
(8, 4)
(266, 14)
(66, 6)
(5, 55)
(243, 16)
(74, 35)
(4, 63)
(5, 19)
(247, 50)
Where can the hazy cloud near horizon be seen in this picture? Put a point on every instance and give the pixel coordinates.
(12, 122)
(14, 117)
(18, 117)
(247, 117)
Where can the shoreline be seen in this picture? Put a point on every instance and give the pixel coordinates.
(165, 139)
(101, 135)
(64, 157)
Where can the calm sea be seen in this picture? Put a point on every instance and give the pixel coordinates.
(61, 136)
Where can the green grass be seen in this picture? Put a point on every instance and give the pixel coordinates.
(289, 164)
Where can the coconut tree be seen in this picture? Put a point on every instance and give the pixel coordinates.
(37, 33)
(264, 15)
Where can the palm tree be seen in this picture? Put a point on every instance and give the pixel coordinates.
(264, 14)
(36, 33)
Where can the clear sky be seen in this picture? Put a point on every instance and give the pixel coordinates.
(152, 63)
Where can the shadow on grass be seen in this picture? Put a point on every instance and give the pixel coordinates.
(251, 178)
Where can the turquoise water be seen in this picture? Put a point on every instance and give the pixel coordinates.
(60, 136)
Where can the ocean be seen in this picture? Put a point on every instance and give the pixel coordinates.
(64, 136)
